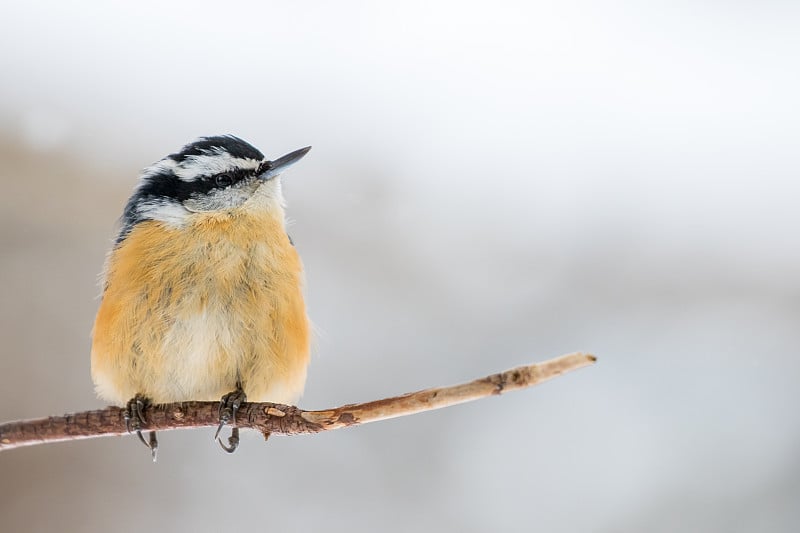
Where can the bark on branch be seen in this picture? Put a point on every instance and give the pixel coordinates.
(270, 418)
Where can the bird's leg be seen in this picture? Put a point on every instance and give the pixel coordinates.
(228, 406)
(134, 418)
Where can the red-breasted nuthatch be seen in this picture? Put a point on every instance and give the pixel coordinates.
(202, 290)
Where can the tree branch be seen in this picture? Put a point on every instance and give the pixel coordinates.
(270, 418)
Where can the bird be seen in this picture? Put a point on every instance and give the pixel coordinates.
(203, 289)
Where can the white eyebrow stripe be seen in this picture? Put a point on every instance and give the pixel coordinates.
(166, 165)
(197, 166)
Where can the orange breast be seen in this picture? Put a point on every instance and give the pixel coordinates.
(188, 312)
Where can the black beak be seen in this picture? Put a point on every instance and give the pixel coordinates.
(270, 169)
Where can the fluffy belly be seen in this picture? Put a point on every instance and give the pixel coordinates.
(200, 358)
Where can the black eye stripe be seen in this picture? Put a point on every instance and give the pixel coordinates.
(223, 180)
(227, 178)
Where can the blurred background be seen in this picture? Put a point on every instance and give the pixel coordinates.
(490, 185)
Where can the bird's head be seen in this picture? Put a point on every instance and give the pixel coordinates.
(211, 175)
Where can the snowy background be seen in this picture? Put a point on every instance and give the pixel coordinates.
(491, 184)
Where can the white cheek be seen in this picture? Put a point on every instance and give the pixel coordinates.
(220, 199)
(169, 212)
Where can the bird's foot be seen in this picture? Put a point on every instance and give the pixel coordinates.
(134, 418)
(228, 406)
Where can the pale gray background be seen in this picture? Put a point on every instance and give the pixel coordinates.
(491, 184)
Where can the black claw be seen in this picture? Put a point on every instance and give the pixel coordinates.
(134, 418)
(153, 445)
(219, 427)
(233, 441)
(228, 407)
(141, 438)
